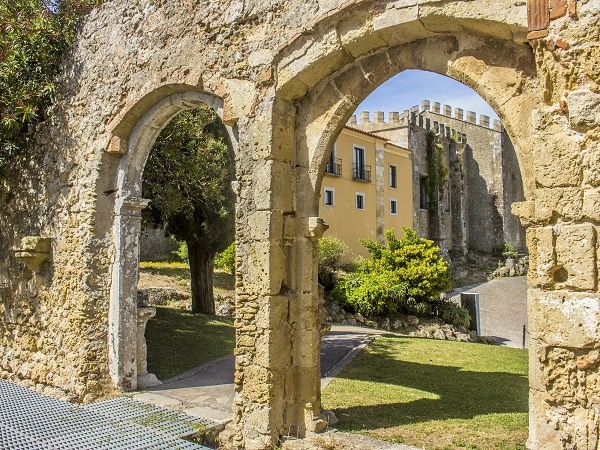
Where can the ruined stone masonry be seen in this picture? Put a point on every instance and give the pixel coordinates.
(285, 76)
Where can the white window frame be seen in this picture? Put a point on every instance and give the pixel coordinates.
(332, 190)
(364, 201)
(395, 200)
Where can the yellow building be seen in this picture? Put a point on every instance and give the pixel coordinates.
(367, 188)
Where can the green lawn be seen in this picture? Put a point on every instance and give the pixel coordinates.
(434, 394)
(178, 341)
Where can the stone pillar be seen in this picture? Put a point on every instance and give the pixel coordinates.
(471, 117)
(497, 125)
(437, 107)
(394, 117)
(144, 379)
(306, 331)
(562, 218)
(425, 105)
(484, 121)
(448, 110)
(379, 117)
(265, 380)
(122, 331)
(352, 122)
(459, 114)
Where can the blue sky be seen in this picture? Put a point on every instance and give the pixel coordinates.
(408, 88)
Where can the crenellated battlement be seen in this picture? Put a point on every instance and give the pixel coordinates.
(396, 118)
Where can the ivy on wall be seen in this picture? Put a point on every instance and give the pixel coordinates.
(437, 173)
(33, 36)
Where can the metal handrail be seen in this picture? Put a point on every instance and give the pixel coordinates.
(361, 172)
(334, 167)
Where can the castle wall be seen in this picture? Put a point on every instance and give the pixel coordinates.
(478, 203)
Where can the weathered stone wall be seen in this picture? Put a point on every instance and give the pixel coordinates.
(155, 245)
(286, 76)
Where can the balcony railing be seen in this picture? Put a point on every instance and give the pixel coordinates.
(361, 172)
(334, 167)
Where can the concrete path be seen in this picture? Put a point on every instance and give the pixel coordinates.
(503, 309)
(207, 391)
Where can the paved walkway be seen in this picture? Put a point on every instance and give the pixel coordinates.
(503, 309)
(207, 391)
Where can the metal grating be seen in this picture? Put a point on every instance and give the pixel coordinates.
(152, 416)
(32, 421)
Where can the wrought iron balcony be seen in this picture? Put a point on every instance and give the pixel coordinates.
(361, 172)
(334, 167)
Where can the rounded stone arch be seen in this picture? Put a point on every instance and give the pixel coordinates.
(135, 134)
(325, 73)
(508, 84)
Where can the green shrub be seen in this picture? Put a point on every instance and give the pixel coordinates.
(33, 36)
(508, 251)
(405, 275)
(182, 252)
(371, 293)
(333, 255)
(452, 313)
(417, 261)
(226, 259)
(332, 251)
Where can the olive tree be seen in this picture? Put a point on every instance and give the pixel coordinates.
(188, 179)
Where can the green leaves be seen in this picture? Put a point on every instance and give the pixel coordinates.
(33, 37)
(407, 274)
(188, 179)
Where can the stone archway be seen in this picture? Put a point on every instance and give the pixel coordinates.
(126, 350)
(325, 108)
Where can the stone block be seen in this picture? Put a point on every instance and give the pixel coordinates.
(239, 99)
(557, 161)
(576, 254)
(256, 384)
(564, 319)
(273, 313)
(565, 202)
(273, 186)
(584, 108)
(266, 267)
(265, 224)
(306, 347)
(273, 349)
(356, 34)
(309, 59)
(591, 204)
(304, 310)
(399, 24)
(542, 255)
(591, 164)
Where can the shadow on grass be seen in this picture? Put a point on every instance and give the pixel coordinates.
(461, 394)
(223, 280)
(178, 341)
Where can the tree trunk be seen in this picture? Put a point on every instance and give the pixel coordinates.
(201, 269)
